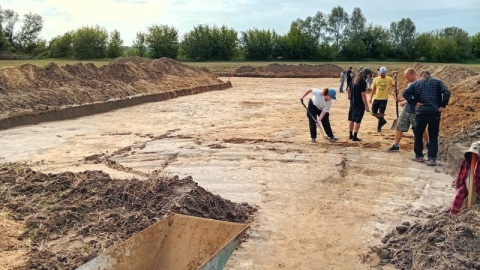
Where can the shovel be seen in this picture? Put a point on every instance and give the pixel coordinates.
(394, 125)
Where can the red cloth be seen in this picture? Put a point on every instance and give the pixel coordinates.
(461, 185)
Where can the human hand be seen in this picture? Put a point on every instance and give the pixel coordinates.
(441, 109)
(418, 105)
(301, 98)
(317, 122)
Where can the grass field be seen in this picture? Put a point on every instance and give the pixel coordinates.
(230, 67)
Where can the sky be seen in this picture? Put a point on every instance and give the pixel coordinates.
(132, 16)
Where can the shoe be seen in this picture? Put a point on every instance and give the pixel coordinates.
(350, 137)
(333, 139)
(394, 148)
(356, 139)
(313, 140)
(382, 123)
(418, 159)
(431, 162)
(379, 130)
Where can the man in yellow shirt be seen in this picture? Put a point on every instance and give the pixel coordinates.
(381, 87)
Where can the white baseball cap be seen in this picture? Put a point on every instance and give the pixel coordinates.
(474, 149)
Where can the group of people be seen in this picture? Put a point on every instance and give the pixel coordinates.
(424, 100)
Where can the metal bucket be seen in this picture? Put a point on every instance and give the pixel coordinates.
(175, 242)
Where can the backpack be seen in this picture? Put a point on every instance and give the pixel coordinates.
(364, 72)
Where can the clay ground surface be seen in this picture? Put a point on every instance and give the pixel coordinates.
(242, 154)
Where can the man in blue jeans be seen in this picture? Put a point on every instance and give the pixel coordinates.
(430, 96)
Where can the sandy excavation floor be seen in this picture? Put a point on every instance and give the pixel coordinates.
(321, 206)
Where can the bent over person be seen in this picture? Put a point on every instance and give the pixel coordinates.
(319, 105)
(430, 96)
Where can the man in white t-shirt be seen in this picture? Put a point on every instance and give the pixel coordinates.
(319, 106)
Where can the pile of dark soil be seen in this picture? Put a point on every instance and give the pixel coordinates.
(441, 242)
(290, 71)
(71, 217)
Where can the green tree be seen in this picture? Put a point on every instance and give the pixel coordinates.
(257, 44)
(9, 18)
(206, 43)
(356, 24)
(162, 41)
(402, 37)
(354, 49)
(464, 44)
(62, 46)
(424, 47)
(445, 49)
(337, 22)
(301, 44)
(115, 43)
(316, 26)
(376, 42)
(90, 42)
(140, 49)
(4, 45)
(28, 37)
(476, 45)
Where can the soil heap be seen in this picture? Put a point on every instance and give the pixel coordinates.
(72, 217)
(290, 71)
(31, 89)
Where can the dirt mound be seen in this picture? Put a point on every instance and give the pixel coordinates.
(290, 71)
(71, 217)
(441, 242)
(31, 89)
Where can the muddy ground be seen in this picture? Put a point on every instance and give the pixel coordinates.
(70, 189)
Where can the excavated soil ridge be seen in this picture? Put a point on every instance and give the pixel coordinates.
(30, 94)
(290, 71)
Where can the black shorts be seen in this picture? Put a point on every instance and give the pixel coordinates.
(379, 105)
(356, 114)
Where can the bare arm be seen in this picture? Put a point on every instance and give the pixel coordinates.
(374, 90)
(321, 116)
(364, 98)
(306, 93)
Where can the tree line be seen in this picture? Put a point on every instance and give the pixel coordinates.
(335, 36)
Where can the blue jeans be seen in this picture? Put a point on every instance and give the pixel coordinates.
(432, 120)
(341, 86)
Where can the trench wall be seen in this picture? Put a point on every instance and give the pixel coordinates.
(94, 108)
